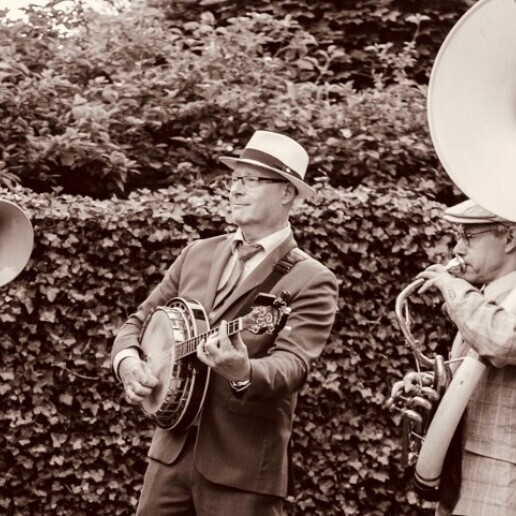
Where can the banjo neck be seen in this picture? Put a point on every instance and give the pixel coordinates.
(170, 333)
(189, 346)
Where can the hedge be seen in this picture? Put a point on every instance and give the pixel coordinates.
(130, 102)
(70, 443)
(349, 25)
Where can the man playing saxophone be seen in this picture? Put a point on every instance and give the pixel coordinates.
(482, 304)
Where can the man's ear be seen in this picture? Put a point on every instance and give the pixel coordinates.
(510, 246)
(290, 193)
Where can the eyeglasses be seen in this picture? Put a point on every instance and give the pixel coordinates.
(464, 237)
(249, 182)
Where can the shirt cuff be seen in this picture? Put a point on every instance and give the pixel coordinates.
(125, 353)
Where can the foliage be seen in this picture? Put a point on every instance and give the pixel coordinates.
(129, 102)
(71, 444)
(348, 25)
(150, 98)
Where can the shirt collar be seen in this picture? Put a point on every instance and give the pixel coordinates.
(500, 285)
(269, 243)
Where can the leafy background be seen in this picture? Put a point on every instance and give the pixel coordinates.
(110, 130)
(69, 442)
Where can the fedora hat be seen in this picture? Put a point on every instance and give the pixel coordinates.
(468, 212)
(277, 153)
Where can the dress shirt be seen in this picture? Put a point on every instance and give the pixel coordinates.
(269, 243)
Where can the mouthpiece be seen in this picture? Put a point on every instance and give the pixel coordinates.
(456, 263)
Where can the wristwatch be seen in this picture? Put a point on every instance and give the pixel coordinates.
(240, 386)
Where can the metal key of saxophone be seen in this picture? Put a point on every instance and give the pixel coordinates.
(412, 424)
(430, 394)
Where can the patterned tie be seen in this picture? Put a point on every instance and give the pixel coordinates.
(245, 252)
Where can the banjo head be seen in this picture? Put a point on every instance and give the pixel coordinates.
(157, 342)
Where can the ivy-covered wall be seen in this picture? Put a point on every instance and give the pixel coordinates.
(69, 442)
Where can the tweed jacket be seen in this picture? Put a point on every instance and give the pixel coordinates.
(490, 330)
(242, 441)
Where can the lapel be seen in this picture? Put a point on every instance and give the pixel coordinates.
(221, 255)
(256, 277)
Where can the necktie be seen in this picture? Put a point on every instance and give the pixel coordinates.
(245, 252)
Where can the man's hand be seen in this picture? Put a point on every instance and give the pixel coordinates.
(137, 378)
(411, 383)
(435, 276)
(227, 357)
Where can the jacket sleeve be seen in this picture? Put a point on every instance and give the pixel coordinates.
(288, 362)
(128, 334)
(486, 326)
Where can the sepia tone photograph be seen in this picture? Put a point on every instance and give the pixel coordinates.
(258, 258)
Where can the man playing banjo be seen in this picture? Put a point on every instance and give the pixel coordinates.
(233, 459)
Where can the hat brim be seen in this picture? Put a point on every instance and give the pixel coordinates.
(303, 189)
(469, 212)
(471, 220)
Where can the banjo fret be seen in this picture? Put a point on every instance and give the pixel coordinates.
(171, 333)
(189, 346)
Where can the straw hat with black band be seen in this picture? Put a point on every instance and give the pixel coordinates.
(276, 153)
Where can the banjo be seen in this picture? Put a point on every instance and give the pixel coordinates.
(169, 339)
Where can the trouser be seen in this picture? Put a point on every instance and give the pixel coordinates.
(180, 490)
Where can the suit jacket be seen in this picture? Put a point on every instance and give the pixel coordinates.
(242, 439)
(488, 329)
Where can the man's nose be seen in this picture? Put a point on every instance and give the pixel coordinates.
(460, 248)
(237, 187)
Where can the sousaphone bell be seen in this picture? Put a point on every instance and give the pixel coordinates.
(471, 105)
(16, 241)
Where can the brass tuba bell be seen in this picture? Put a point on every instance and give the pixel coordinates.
(472, 105)
(16, 241)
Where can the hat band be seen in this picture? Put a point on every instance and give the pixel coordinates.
(270, 161)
